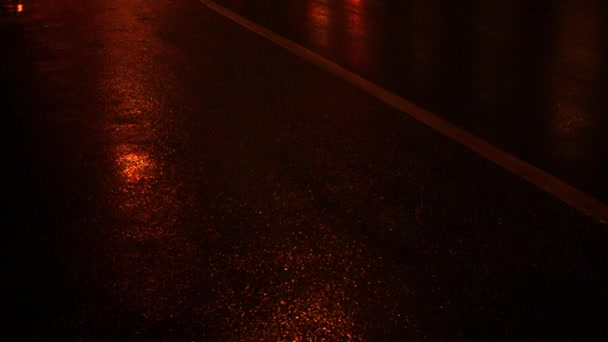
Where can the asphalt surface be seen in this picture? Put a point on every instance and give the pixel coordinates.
(173, 176)
(527, 76)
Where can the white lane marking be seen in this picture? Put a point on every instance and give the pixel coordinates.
(549, 183)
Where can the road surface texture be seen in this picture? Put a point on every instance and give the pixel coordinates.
(527, 76)
(173, 176)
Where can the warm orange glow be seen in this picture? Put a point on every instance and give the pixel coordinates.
(139, 195)
(314, 316)
(135, 167)
(358, 49)
(20, 8)
(579, 44)
(320, 20)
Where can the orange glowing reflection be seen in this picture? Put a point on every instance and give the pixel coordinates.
(318, 315)
(358, 49)
(575, 66)
(139, 198)
(305, 304)
(20, 8)
(320, 19)
(135, 167)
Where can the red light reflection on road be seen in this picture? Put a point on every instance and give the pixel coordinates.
(575, 66)
(317, 314)
(303, 289)
(320, 15)
(340, 29)
(357, 42)
(148, 276)
(135, 167)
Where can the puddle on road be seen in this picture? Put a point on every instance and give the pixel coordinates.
(10, 8)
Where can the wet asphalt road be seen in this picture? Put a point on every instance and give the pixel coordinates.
(172, 176)
(528, 76)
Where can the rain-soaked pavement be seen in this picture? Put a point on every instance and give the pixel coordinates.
(528, 76)
(172, 176)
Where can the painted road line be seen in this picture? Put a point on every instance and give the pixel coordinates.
(549, 183)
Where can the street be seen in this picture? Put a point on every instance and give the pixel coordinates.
(175, 176)
(529, 77)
